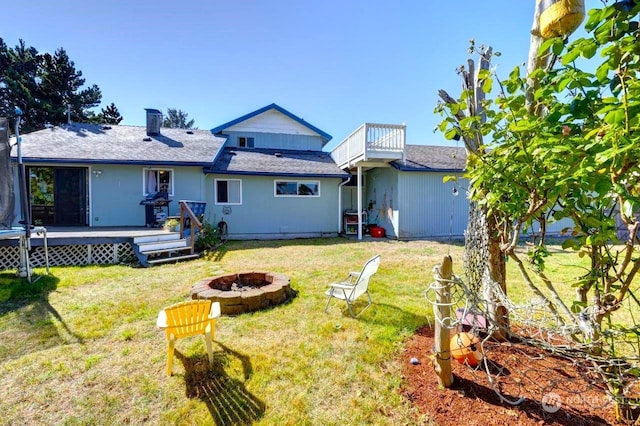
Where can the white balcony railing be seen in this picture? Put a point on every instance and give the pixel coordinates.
(371, 141)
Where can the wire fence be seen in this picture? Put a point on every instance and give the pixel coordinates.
(544, 359)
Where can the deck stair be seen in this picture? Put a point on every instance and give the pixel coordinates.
(163, 247)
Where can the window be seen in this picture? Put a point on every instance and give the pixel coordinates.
(228, 191)
(297, 188)
(244, 142)
(157, 180)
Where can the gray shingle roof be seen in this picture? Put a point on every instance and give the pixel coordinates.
(88, 143)
(432, 158)
(257, 161)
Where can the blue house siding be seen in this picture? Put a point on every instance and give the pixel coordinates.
(277, 141)
(428, 207)
(381, 191)
(414, 204)
(121, 183)
(264, 216)
(114, 192)
(190, 184)
(126, 185)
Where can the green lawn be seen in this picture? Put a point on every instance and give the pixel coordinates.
(81, 346)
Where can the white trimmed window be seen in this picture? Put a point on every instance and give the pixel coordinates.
(228, 191)
(297, 188)
(157, 180)
(244, 142)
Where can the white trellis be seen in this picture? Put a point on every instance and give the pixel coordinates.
(69, 255)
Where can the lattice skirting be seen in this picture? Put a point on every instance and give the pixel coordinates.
(73, 255)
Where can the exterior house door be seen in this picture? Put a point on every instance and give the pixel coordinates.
(70, 196)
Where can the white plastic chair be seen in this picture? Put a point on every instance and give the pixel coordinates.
(356, 284)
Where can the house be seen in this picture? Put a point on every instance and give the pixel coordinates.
(267, 174)
(272, 179)
(410, 199)
(403, 188)
(90, 175)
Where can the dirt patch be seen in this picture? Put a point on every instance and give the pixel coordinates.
(555, 391)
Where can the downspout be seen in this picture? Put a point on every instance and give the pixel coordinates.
(340, 202)
(359, 202)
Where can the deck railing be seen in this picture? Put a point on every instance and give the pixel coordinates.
(190, 219)
(369, 141)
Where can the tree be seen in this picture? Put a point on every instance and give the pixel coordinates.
(177, 119)
(20, 84)
(109, 115)
(61, 88)
(579, 159)
(484, 261)
(571, 149)
(43, 86)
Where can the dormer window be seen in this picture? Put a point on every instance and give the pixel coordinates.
(244, 142)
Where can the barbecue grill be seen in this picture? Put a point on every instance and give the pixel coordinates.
(153, 209)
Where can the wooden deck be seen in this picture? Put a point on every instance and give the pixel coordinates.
(57, 236)
(75, 246)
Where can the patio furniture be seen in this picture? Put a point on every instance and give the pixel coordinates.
(186, 319)
(356, 284)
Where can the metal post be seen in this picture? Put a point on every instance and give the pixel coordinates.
(359, 202)
(25, 242)
(23, 179)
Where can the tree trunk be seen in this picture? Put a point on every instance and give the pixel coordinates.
(7, 199)
(485, 267)
(484, 261)
(498, 275)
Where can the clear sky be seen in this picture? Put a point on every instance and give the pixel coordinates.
(334, 63)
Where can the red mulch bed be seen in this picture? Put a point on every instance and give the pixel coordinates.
(526, 372)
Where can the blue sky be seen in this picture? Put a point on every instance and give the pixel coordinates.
(334, 63)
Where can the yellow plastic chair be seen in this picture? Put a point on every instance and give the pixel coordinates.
(189, 319)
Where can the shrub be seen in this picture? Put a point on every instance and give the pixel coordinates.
(207, 238)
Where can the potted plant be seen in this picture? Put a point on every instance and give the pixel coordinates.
(172, 225)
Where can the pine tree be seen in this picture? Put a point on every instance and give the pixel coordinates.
(110, 115)
(20, 77)
(177, 119)
(43, 86)
(60, 88)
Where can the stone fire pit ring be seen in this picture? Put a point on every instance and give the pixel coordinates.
(244, 291)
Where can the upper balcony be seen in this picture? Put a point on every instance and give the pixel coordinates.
(371, 145)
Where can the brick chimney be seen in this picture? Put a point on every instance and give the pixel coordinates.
(154, 121)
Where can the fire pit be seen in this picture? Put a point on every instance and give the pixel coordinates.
(244, 291)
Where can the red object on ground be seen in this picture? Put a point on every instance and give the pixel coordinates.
(377, 232)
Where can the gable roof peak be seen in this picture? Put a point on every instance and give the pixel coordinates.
(325, 136)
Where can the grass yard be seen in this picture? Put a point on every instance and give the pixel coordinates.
(81, 346)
